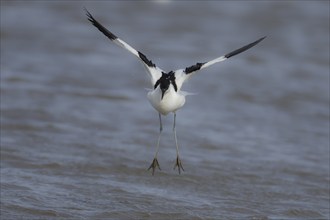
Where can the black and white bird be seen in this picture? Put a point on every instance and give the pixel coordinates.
(166, 95)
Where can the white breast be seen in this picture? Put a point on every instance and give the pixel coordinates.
(171, 101)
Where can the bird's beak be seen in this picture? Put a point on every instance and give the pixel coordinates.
(163, 93)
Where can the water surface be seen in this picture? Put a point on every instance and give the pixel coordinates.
(78, 134)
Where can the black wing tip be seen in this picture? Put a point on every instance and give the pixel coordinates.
(89, 15)
(261, 39)
(99, 26)
(242, 49)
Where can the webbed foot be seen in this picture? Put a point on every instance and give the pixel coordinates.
(178, 164)
(154, 165)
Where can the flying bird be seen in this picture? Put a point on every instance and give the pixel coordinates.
(166, 95)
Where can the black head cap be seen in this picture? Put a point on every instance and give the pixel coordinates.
(164, 82)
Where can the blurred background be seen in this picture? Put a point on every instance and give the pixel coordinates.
(78, 134)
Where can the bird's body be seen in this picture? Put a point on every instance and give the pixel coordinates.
(171, 102)
(166, 95)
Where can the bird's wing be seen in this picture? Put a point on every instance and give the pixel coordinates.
(183, 74)
(154, 72)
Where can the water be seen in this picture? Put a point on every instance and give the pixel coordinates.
(78, 134)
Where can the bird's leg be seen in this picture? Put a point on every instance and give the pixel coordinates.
(155, 163)
(178, 161)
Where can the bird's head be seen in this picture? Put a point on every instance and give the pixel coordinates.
(165, 81)
(164, 85)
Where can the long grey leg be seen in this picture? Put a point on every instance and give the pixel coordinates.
(160, 132)
(178, 161)
(155, 163)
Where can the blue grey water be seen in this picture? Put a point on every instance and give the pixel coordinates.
(78, 134)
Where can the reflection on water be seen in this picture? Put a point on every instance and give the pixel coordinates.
(77, 132)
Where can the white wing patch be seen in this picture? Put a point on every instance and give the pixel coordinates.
(183, 74)
(154, 72)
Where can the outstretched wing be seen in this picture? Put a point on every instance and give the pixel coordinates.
(199, 66)
(184, 74)
(154, 72)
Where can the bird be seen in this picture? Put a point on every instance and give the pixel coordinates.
(166, 95)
